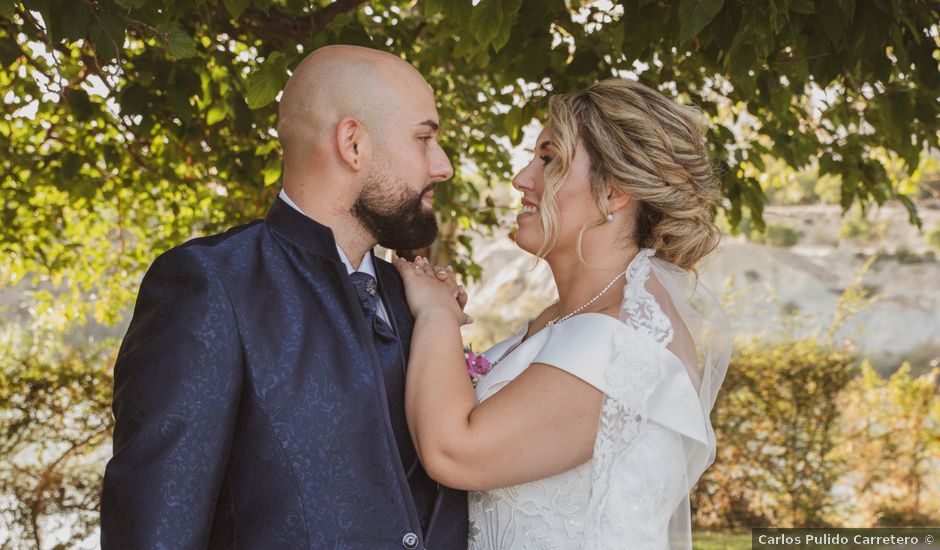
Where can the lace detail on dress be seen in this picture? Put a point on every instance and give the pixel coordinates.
(629, 507)
(547, 514)
(642, 311)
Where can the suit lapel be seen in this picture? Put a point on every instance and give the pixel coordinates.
(392, 292)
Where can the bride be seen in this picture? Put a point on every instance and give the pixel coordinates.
(593, 423)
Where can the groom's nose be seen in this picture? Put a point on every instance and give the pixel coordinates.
(440, 169)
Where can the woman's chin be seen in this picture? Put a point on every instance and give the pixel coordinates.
(527, 242)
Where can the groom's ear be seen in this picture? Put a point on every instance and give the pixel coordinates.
(352, 143)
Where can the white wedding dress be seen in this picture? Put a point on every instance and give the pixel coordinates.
(659, 367)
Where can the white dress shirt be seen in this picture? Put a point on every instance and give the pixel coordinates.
(365, 266)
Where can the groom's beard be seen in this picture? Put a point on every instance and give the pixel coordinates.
(396, 218)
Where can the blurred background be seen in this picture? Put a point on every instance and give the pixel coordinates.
(131, 126)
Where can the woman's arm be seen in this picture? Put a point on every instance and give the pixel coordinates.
(542, 423)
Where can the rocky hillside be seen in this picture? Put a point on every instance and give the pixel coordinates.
(774, 290)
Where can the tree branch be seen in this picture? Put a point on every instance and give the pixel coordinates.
(277, 27)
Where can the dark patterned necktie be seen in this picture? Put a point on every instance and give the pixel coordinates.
(388, 348)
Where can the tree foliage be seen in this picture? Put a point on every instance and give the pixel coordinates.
(132, 125)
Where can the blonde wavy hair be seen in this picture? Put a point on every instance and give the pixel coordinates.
(650, 148)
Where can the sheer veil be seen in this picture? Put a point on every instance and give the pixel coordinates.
(702, 340)
(671, 359)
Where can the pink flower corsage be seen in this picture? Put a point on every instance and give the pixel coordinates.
(477, 365)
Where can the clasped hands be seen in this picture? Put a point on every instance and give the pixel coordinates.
(432, 290)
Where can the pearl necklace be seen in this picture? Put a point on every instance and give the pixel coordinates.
(557, 320)
(561, 319)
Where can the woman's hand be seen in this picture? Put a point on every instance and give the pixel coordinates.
(432, 290)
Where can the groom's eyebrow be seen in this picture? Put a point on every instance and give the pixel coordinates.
(430, 124)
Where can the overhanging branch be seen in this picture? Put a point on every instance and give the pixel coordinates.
(278, 27)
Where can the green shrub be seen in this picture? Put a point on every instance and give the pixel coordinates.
(904, 255)
(794, 419)
(892, 433)
(933, 238)
(744, 226)
(777, 234)
(55, 417)
(776, 423)
(857, 228)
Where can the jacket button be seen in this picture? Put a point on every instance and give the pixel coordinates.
(410, 541)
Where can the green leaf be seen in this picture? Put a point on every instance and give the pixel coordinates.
(266, 81)
(486, 21)
(806, 6)
(216, 114)
(512, 123)
(134, 99)
(242, 114)
(912, 216)
(81, 107)
(272, 170)
(107, 38)
(179, 101)
(848, 9)
(832, 21)
(510, 9)
(9, 51)
(431, 7)
(848, 189)
(49, 21)
(177, 42)
(457, 10)
(236, 7)
(71, 164)
(694, 15)
(7, 7)
(76, 25)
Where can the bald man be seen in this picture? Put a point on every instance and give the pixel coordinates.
(259, 390)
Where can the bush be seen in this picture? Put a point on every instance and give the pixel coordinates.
(795, 419)
(859, 228)
(904, 255)
(933, 238)
(776, 423)
(892, 434)
(55, 418)
(777, 234)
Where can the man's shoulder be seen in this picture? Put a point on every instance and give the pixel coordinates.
(212, 251)
(234, 236)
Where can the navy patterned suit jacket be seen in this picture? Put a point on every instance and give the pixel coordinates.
(250, 405)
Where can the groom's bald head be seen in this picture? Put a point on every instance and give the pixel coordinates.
(358, 128)
(344, 81)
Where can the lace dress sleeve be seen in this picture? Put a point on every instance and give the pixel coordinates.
(639, 467)
(650, 420)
